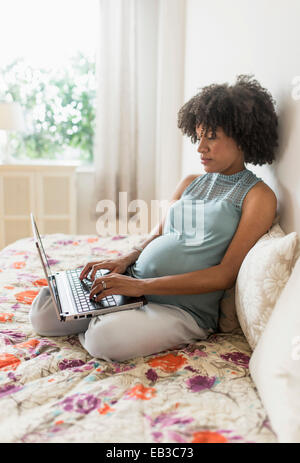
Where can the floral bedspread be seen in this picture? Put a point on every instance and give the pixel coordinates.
(52, 390)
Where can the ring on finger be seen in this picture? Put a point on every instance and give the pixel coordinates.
(103, 284)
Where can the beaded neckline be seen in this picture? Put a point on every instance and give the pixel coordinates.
(233, 176)
(215, 186)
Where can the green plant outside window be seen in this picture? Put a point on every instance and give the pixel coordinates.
(59, 107)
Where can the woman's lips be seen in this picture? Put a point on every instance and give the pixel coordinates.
(205, 161)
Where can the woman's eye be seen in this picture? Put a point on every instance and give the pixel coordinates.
(211, 137)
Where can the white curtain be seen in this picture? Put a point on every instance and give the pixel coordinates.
(140, 70)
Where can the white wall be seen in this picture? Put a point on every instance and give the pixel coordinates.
(261, 37)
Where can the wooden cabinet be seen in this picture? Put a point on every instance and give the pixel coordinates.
(49, 191)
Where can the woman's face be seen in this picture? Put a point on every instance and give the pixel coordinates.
(220, 154)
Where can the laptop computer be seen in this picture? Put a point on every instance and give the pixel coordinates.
(70, 295)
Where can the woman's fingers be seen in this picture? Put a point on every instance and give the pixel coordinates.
(89, 266)
(98, 290)
(98, 266)
(114, 266)
(102, 295)
(115, 283)
(85, 271)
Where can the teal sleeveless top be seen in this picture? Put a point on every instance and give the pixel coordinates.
(197, 232)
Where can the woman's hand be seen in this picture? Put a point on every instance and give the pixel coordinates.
(113, 265)
(116, 284)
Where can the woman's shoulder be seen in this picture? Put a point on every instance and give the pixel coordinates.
(261, 188)
(184, 184)
(190, 178)
(259, 192)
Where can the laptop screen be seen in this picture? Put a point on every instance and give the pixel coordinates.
(46, 266)
(43, 254)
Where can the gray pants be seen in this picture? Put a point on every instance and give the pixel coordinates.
(120, 336)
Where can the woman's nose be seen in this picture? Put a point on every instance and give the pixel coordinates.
(202, 146)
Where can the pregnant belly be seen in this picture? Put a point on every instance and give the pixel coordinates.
(166, 255)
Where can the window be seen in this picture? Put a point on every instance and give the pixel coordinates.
(48, 66)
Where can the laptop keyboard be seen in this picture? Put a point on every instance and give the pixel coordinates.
(81, 292)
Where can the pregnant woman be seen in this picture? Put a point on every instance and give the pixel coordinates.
(195, 253)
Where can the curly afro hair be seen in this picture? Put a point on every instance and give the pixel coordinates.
(245, 111)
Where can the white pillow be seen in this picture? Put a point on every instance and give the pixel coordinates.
(228, 320)
(275, 363)
(261, 278)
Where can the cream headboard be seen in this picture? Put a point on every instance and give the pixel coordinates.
(283, 176)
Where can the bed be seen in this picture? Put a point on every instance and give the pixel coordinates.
(52, 390)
